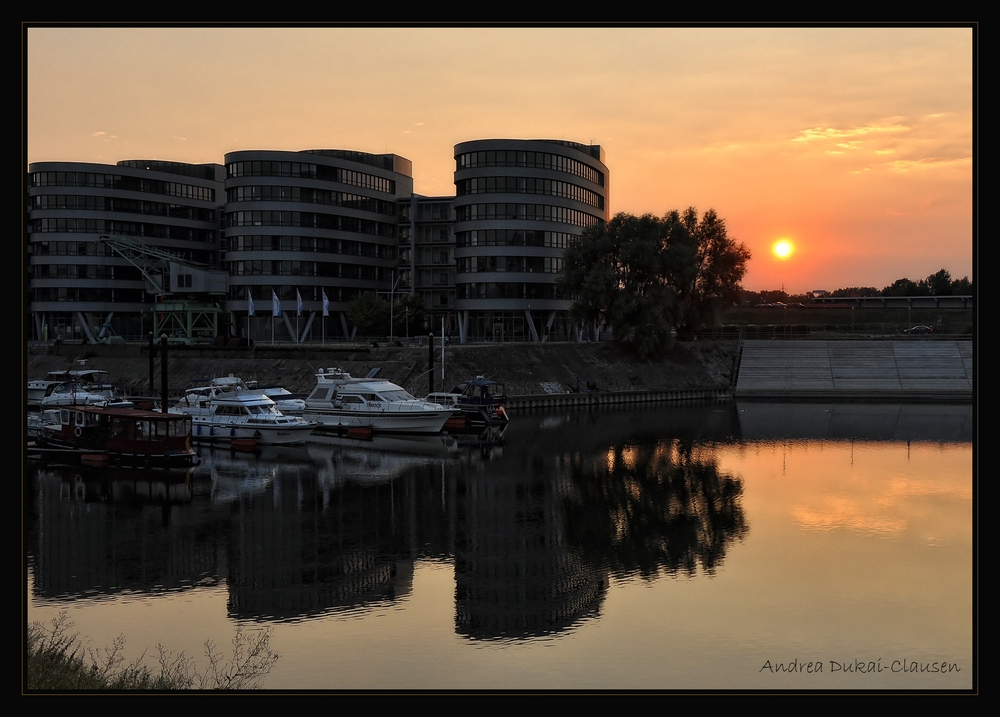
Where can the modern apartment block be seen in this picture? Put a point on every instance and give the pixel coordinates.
(307, 225)
(78, 288)
(306, 232)
(427, 259)
(518, 204)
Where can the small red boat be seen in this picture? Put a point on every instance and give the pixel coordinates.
(125, 436)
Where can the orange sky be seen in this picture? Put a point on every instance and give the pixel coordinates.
(854, 143)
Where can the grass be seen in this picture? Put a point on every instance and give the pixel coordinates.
(58, 661)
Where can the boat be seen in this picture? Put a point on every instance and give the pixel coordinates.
(480, 402)
(228, 415)
(207, 388)
(106, 435)
(73, 388)
(340, 402)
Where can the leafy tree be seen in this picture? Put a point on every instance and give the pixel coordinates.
(369, 313)
(939, 283)
(720, 266)
(856, 291)
(646, 276)
(408, 315)
(961, 286)
(902, 287)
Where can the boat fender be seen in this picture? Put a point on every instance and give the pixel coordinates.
(77, 431)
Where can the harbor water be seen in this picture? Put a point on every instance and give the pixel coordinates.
(667, 547)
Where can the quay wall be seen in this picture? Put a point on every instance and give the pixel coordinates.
(539, 376)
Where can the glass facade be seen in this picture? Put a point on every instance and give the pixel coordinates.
(304, 225)
(508, 249)
(77, 287)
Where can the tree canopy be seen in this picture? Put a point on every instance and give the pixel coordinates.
(646, 277)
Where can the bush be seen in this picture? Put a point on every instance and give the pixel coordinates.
(57, 661)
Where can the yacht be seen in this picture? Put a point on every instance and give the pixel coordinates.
(84, 387)
(207, 388)
(223, 413)
(340, 403)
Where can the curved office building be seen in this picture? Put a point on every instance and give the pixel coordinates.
(78, 288)
(518, 204)
(308, 224)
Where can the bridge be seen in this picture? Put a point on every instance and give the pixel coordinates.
(871, 370)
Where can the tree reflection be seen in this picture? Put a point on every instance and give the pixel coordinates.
(642, 508)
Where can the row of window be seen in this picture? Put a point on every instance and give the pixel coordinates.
(85, 271)
(536, 264)
(116, 204)
(531, 212)
(95, 248)
(508, 290)
(308, 195)
(536, 160)
(305, 170)
(268, 218)
(529, 185)
(513, 237)
(316, 244)
(70, 293)
(308, 268)
(117, 181)
(111, 226)
(434, 234)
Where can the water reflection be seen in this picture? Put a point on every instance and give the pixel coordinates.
(536, 523)
(651, 505)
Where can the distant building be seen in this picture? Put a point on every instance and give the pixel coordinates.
(518, 204)
(427, 259)
(314, 222)
(310, 231)
(78, 289)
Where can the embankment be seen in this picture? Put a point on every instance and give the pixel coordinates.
(527, 369)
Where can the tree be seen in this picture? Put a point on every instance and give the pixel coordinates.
(369, 314)
(646, 277)
(408, 315)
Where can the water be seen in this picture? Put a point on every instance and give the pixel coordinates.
(757, 546)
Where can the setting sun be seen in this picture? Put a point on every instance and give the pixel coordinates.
(782, 248)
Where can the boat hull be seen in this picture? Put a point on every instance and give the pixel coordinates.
(413, 422)
(205, 431)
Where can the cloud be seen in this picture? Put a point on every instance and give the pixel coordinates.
(820, 133)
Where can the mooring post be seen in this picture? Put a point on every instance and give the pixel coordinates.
(163, 372)
(152, 387)
(430, 362)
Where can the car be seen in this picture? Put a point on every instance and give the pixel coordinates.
(919, 330)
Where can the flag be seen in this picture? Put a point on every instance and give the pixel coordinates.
(275, 304)
(298, 303)
(326, 304)
(250, 309)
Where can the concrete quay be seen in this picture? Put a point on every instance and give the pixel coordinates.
(869, 370)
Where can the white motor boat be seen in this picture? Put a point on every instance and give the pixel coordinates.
(341, 402)
(285, 401)
(227, 415)
(84, 387)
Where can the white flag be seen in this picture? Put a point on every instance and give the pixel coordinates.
(298, 303)
(275, 304)
(250, 309)
(326, 304)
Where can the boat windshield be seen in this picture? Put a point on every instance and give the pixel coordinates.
(400, 395)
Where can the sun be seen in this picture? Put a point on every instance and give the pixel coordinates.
(782, 248)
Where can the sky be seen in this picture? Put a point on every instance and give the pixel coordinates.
(854, 144)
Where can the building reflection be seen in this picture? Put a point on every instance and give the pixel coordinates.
(103, 532)
(535, 520)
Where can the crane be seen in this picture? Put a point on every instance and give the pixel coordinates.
(184, 309)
